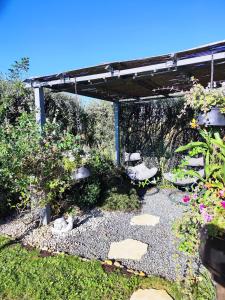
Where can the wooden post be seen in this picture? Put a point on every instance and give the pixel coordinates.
(45, 214)
(117, 132)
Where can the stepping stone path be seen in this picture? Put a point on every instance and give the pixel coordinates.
(150, 294)
(127, 249)
(145, 219)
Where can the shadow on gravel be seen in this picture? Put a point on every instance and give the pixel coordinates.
(19, 239)
(95, 213)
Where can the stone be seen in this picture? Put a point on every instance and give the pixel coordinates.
(108, 262)
(130, 270)
(127, 249)
(150, 294)
(145, 219)
(117, 264)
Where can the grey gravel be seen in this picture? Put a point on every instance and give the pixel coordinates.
(92, 238)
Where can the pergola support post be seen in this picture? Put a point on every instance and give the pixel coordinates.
(117, 132)
(39, 97)
(39, 106)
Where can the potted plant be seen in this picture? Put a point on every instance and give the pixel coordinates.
(203, 225)
(208, 104)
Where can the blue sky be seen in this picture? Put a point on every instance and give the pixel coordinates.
(59, 35)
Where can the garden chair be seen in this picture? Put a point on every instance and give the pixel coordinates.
(138, 171)
(186, 182)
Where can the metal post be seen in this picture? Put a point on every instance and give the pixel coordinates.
(40, 106)
(39, 97)
(212, 72)
(117, 132)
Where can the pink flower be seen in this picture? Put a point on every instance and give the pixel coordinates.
(186, 199)
(194, 196)
(222, 193)
(207, 217)
(223, 204)
(201, 207)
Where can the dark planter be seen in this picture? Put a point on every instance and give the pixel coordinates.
(213, 118)
(212, 254)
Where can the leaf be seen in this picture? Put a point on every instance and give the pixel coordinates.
(191, 145)
(223, 172)
(211, 169)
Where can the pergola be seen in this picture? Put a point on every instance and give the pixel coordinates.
(137, 80)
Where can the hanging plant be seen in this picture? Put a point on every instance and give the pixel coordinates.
(208, 105)
(202, 99)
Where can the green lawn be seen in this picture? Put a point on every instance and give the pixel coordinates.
(26, 275)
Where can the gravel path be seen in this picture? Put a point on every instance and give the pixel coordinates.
(92, 239)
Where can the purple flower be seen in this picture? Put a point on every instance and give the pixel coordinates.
(207, 217)
(223, 204)
(201, 207)
(186, 199)
(195, 196)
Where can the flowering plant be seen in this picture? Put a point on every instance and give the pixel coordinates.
(202, 99)
(207, 200)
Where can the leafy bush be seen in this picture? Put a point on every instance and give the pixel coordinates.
(14, 99)
(33, 164)
(119, 194)
(100, 164)
(118, 201)
(99, 127)
(85, 195)
(91, 192)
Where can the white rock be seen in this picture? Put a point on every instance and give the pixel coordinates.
(150, 294)
(127, 249)
(145, 219)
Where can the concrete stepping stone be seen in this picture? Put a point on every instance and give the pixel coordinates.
(127, 249)
(145, 219)
(150, 294)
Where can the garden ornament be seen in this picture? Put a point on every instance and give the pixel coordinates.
(61, 225)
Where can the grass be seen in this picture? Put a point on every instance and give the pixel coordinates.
(25, 275)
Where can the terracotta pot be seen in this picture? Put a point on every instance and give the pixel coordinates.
(213, 118)
(212, 254)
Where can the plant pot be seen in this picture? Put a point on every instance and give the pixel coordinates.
(212, 254)
(212, 118)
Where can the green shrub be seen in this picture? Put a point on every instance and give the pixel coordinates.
(99, 127)
(119, 194)
(33, 164)
(123, 202)
(84, 194)
(90, 194)
(100, 164)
